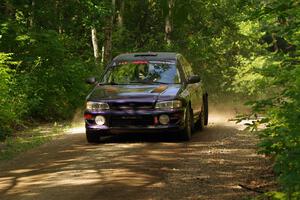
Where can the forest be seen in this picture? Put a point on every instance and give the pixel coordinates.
(246, 50)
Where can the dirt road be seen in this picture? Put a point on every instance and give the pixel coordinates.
(212, 165)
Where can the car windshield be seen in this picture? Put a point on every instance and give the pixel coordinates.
(143, 72)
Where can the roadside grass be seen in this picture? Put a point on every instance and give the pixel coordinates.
(24, 140)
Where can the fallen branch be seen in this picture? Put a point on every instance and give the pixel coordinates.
(252, 189)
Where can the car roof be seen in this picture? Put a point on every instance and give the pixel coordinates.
(146, 56)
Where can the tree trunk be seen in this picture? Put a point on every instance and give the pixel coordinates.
(107, 45)
(168, 22)
(120, 17)
(102, 55)
(59, 15)
(95, 45)
(8, 8)
(108, 36)
(31, 18)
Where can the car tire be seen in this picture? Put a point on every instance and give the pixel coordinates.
(205, 101)
(199, 125)
(186, 134)
(92, 137)
(203, 117)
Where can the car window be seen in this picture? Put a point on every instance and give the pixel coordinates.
(143, 72)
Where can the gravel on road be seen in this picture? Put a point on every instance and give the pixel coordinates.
(219, 163)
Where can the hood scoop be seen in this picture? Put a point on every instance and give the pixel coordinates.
(159, 89)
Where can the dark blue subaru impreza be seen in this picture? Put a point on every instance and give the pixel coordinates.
(146, 92)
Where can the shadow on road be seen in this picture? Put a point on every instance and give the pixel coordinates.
(137, 166)
(142, 137)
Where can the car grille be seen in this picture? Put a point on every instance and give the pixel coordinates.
(131, 106)
(126, 121)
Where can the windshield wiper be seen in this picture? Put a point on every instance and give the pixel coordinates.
(111, 83)
(158, 82)
(148, 82)
(141, 82)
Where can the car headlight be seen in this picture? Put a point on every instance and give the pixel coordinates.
(96, 106)
(168, 104)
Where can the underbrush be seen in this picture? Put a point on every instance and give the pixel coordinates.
(22, 141)
(47, 83)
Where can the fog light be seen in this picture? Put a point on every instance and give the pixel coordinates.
(164, 119)
(100, 120)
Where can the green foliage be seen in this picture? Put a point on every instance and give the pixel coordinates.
(54, 58)
(29, 139)
(8, 107)
(250, 48)
(273, 73)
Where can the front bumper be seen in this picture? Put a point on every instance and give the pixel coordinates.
(118, 121)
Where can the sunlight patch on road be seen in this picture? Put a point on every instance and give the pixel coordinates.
(75, 130)
(245, 123)
(225, 150)
(223, 119)
(71, 177)
(20, 171)
(55, 179)
(157, 185)
(126, 177)
(5, 183)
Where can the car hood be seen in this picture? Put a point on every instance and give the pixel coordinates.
(149, 93)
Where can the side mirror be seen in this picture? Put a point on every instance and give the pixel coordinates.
(194, 79)
(91, 80)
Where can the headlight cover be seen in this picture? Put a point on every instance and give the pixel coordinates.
(96, 106)
(168, 104)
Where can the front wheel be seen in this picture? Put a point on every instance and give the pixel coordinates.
(186, 134)
(92, 137)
